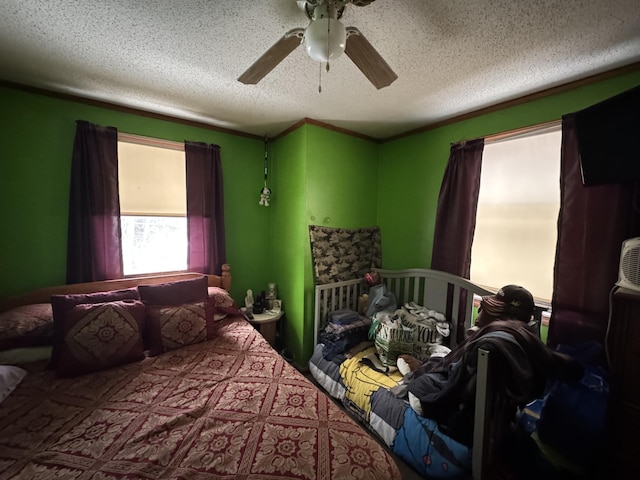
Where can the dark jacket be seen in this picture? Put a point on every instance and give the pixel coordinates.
(520, 365)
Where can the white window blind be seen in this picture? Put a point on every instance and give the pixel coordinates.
(152, 180)
(153, 206)
(516, 222)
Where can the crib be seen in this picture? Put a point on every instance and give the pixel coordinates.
(452, 295)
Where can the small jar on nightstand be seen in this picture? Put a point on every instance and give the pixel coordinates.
(266, 324)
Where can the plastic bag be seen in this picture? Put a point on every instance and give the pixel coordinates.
(573, 416)
(392, 337)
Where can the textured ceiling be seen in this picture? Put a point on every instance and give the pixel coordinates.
(182, 58)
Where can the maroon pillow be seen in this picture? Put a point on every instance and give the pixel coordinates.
(61, 304)
(101, 335)
(222, 303)
(174, 326)
(26, 326)
(175, 293)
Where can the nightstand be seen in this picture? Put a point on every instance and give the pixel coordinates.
(266, 324)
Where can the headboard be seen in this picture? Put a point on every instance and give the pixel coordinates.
(43, 295)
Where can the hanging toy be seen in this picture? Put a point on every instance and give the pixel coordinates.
(264, 196)
(265, 193)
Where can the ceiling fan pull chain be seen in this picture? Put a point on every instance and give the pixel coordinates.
(266, 159)
(331, 12)
(328, 39)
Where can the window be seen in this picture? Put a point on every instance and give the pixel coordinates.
(153, 205)
(518, 205)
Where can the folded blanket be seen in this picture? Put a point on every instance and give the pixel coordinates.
(346, 341)
(338, 338)
(337, 329)
(343, 317)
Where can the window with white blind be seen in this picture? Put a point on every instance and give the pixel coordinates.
(516, 224)
(153, 206)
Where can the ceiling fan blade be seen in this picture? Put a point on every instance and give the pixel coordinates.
(368, 60)
(272, 57)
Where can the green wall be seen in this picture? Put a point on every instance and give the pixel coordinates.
(323, 178)
(412, 167)
(317, 176)
(37, 137)
(287, 246)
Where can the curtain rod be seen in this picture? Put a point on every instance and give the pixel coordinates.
(522, 132)
(150, 141)
(517, 132)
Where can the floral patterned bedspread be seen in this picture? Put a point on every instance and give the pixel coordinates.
(229, 408)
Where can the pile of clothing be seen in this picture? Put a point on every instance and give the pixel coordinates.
(345, 330)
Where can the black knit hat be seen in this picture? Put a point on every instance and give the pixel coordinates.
(511, 301)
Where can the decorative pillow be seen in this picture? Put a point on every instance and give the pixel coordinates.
(222, 303)
(175, 293)
(61, 304)
(101, 335)
(10, 377)
(26, 326)
(174, 326)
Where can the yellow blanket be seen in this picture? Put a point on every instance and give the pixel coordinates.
(361, 381)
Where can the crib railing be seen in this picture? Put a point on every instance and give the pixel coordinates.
(440, 291)
(332, 297)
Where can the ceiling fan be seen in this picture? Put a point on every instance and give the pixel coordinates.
(325, 39)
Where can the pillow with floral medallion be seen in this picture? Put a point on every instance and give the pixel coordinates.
(175, 326)
(101, 335)
(61, 304)
(178, 314)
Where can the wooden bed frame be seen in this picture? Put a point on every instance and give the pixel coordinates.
(43, 295)
(446, 293)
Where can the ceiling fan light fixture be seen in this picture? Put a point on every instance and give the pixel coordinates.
(325, 39)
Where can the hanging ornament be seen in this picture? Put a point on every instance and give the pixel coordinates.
(265, 193)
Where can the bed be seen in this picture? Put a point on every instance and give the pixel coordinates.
(367, 392)
(226, 406)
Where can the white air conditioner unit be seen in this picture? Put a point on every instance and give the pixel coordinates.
(629, 273)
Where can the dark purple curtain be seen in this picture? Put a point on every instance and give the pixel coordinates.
(205, 208)
(457, 207)
(592, 224)
(456, 215)
(94, 247)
